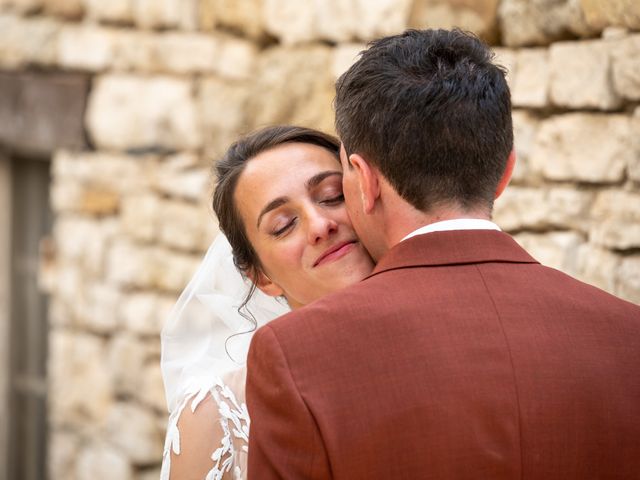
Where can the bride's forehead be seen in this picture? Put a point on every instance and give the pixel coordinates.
(289, 162)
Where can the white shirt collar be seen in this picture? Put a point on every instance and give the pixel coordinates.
(455, 224)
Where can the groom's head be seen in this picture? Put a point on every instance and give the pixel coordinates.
(431, 114)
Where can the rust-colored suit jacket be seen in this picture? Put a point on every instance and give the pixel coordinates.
(460, 357)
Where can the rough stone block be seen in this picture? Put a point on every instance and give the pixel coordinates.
(223, 109)
(305, 99)
(237, 58)
(25, 42)
(133, 266)
(569, 207)
(616, 215)
(130, 265)
(187, 52)
(58, 313)
(62, 455)
(291, 21)
(531, 84)
(97, 308)
(69, 9)
(208, 15)
(540, 22)
(186, 226)
(26, 7)
(140, 215)
(556, 249)
(152, 391)
(626, 67)
(507, 59)
(174, 52)
(583, 147)
(521, 208)
(65, 291)
(136, 50)
(525, 128)
(376, 18)
(602, 13)
(86, 47)
(115, 172)
(139, 313)
(598, 267)
(83, 241)
(73, 197)
(344, 56)
(166, 14)
(102, 462)
(183, 176)
(125, 357)
(616, 234)
(243, 16)
(634, 159)
(295, 21)
(80, 391)
(113, 11)
(41, 112)
(581, 75)
(174, 270)
(133, 430)
(475, 16)
(629, 279)
(131, 112)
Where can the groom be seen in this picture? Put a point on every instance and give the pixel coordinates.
(460, 357)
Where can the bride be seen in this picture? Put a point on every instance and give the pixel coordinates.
(287, 242)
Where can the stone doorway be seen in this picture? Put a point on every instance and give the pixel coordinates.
(30, 224)
(40, 112)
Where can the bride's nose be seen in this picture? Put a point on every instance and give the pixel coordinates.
(321, 227)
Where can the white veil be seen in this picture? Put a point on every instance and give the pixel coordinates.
(205, 336)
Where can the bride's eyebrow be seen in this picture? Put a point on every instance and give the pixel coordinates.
(272, 205)
(316, 179)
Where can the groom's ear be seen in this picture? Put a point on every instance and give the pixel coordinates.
(265, 284)
(506, 176)
(368, 181)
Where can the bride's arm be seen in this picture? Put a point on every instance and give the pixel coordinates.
(200, 435)
(212, 433)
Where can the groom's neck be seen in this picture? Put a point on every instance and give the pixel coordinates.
(406, 219)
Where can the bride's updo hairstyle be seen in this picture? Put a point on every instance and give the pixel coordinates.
(228, 170)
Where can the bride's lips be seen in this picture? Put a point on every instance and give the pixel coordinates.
(337, 251)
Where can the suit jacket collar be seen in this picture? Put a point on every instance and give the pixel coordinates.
(453, 248)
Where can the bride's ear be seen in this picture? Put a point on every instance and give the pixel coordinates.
(264, 283)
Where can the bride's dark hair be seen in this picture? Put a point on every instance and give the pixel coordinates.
(228, 170)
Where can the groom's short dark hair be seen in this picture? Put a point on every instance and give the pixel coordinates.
(432, 112)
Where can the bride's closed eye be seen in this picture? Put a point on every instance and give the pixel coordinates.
(335, 200)
(280, 229)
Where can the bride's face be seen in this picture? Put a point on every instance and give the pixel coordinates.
(290, 200)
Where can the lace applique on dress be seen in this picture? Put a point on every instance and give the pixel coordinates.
(235, 422)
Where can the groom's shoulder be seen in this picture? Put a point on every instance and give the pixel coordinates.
(348, 304)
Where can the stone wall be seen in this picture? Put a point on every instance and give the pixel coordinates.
(172, 82)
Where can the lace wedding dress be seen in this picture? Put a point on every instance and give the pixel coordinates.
(204, 349)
